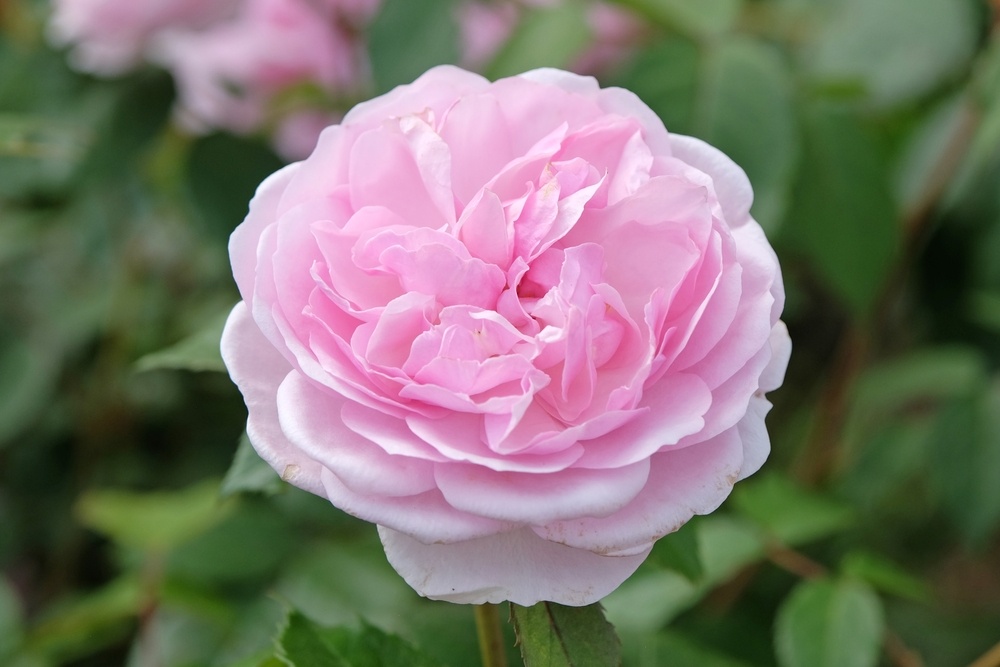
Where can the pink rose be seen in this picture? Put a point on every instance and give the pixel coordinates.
(518, 325)
(228, 76)
(111, 36)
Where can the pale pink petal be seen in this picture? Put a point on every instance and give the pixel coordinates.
(682, 483)
(258, 370)
(522, 497)
(731, 183)
(517, 566)
(311, 419)
(425, 517)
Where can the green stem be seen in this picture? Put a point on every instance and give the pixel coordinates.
(490, 636)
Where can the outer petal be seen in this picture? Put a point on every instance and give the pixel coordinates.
(245, 238)
(731, 183)
(531, 498)
(257, 369)
(518, 566)
(682, 483)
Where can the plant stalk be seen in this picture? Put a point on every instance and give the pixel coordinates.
(490, 634)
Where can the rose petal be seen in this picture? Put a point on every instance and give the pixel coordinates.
(518, 566)
(258, 370)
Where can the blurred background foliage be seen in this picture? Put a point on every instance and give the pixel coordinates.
(871, 132)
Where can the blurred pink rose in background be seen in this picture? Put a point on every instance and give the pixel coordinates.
(110, 37)
(229, 76)
(518, 325)
(484, 27)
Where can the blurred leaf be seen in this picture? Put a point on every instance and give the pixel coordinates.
(223, 173)
(898, 49)
(825, 623)
(842, 218)
(679, 551)
(197, 352)
(156, 520)
(250, 543)
(139, 112)
(335, 582)
(921, 376)
(965, 458)
(672, 649)
(791, 514)
(884, 575)
(11, 620)
(553, 635)
(77, 627)
(172, 637)
(544, 37)
(744, 108)
(666, 76)
(651, 598)
(250, 473)
(302, 643)
(27, 380)
(407, 38)
(702, 19)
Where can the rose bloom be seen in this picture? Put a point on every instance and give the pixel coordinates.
(111, 36)
(228, 76)
(517, 325)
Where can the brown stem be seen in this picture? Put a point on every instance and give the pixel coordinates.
(992, 657)
(490, 635)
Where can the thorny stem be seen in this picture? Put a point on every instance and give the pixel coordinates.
(490, 635)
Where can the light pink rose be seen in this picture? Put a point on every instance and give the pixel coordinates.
(518, 325)
(229, 75)
(111, 36)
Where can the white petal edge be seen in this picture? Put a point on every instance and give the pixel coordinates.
(258, 370)
(517, 566)
(732, 186)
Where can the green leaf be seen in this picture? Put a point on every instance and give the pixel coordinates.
(885, 576)
(299, 645)
(842, 218)
(197, 352)
(407, 38)
(897, 49)
(544, 37)
(826, 623)
(302, 643)
(553, 635)
(27, 381)
(154, 521)
(705, 18)
(651, 598)
(372, 646)
(744, 108)
(789, 513)
(964, 460)
(75, 628)
(679, 551)
(249, 473)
